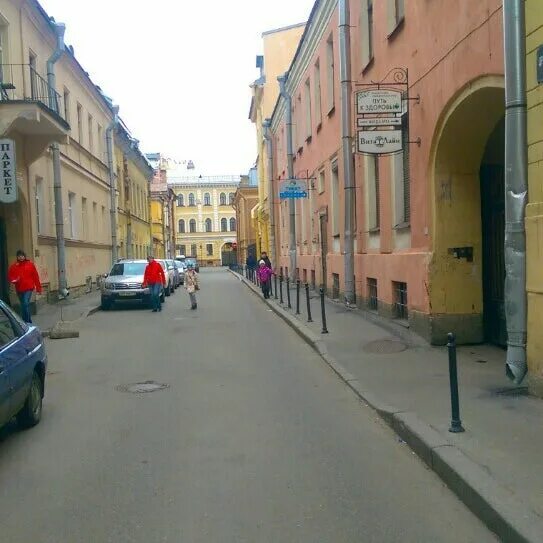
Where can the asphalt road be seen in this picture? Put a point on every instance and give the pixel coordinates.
(254, 440)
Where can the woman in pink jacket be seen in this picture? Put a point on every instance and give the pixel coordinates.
(264, 276)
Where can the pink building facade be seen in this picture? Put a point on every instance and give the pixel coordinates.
(428, 220)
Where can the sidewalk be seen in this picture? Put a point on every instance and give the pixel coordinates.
(497, 462)
(67, 310)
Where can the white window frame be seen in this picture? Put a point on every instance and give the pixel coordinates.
(307, 100)
(84, 218)
(330, 73)
(334, 181)
(317, 93)
(395, 14)
(72, 215)
(366, 29)
(372, 193)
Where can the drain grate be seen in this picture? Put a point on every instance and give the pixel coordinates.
(384, 346)
(142, 388)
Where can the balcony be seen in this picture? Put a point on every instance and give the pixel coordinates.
(30, 107)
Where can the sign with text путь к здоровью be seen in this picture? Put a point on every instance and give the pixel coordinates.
(8, 191)
(378, 101)
(293, 188)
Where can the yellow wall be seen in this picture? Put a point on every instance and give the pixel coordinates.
(534, 210)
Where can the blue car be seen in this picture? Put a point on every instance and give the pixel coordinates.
(23, 364)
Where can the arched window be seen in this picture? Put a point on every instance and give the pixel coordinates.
(232, 224)
(222, 199)
(181, 226)
(208, 225)
(207, 199)
(180, 200)
(192, 226)
(224, 225)
(191, 200)
(231, 197)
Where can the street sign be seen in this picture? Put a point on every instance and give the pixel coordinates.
(293, 188)
(379, 142)
(378, 121)
(8, 180)
(378, 101)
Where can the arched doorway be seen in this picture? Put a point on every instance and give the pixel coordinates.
(467, 268)
(228, 255)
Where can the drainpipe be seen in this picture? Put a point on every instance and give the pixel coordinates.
(290, 170)
(57, 177)
(516, 187)
(347, 149)
(266, 125)
(112, 183)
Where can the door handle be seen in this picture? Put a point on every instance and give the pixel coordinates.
(34, 350)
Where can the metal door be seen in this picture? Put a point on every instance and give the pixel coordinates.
(493, 231)
(323, 219)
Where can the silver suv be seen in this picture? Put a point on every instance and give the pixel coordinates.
(124, 283)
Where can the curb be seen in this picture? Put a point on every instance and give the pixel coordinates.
(499, 509)
(88, 313)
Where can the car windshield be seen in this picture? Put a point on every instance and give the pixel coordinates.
(128, 268)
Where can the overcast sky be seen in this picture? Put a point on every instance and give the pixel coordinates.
(179, 69)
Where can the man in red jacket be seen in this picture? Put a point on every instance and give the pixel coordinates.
(154, 278)
(24, 275)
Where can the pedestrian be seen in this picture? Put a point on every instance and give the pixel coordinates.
(266, 260)
(155, 279)
(192, 284)
(24, 275)
(264, 276)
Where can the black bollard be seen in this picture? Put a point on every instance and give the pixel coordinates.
(309, 319)
(323, 311)
(271, 286)
(289, 305)
(275, 284)
(281, 289)
(297, 297)
(456, 423)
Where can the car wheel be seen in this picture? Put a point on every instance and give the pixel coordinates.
(163, 297)
(30, 414)
(167, 291)
(105, 304)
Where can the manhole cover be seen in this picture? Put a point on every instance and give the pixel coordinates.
(142, 388)
(384, 346)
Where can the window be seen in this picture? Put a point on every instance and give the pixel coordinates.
(182, 250)
(400, 300)
(33, 76)
(94, 217)
(71, 215)
(84, 218)
(209, 249)
(335, 200)
(180, 200)
(307, 99)
(193, 250)
(103, 223)
(192, 202)
(330, 76)
(373, 196)
(99, 148)
(7, 332)
(232, 224)
(222, 199)
(208, 225)
(366, 32)
(40, 218)
(181, 226)
(231, 197)
(371, 293)
(91, 138)
(396, 14)
(224, 225)
(321, 182)
(66, 105)
(3, 48)
(317, 92)
(207, 199)
(80, 124)
(192, 226)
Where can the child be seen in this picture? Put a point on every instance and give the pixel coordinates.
(192, 284)
(264, 276)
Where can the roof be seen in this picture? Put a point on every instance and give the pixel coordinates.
(282, 29)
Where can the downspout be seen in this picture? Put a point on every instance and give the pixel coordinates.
(266, 125)
(516, 187)
(57, 177)
(290, 170)
(112, 184)
(347, 150)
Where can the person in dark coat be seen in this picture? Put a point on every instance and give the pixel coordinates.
(266, 260)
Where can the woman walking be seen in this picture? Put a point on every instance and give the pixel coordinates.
(264, 277)
(192, 284)
(24, 276)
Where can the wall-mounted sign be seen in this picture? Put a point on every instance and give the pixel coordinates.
(378, 101)
(8, 180)
(363, 122)
(539, 59)
(379, 142)
(293, 188)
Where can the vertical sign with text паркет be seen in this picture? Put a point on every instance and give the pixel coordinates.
(8, 192)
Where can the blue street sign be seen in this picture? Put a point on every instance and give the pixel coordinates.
(293, 189)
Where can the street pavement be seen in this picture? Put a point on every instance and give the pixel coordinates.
(254, 439)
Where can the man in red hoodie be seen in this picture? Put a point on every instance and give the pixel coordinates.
(24, 275)
(154, 278)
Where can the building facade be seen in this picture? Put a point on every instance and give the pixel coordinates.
(279, 46)
(205, 218)
(245, 200)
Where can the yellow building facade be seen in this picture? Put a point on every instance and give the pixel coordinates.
(204, 218)
(279, 47)
(245, 200)
(534, 209)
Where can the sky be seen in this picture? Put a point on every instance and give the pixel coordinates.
(180, 70)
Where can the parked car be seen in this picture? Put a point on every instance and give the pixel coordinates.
(194, 262)
(169, 272)
(179, 272)
(124, 283)
(23, 365)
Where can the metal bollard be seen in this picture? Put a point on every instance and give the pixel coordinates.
(456, 424)
(323, 312)
(271, 286)
(309, 319)
(281, 289)
(297, 297)
(275, 284)
(289, 305)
